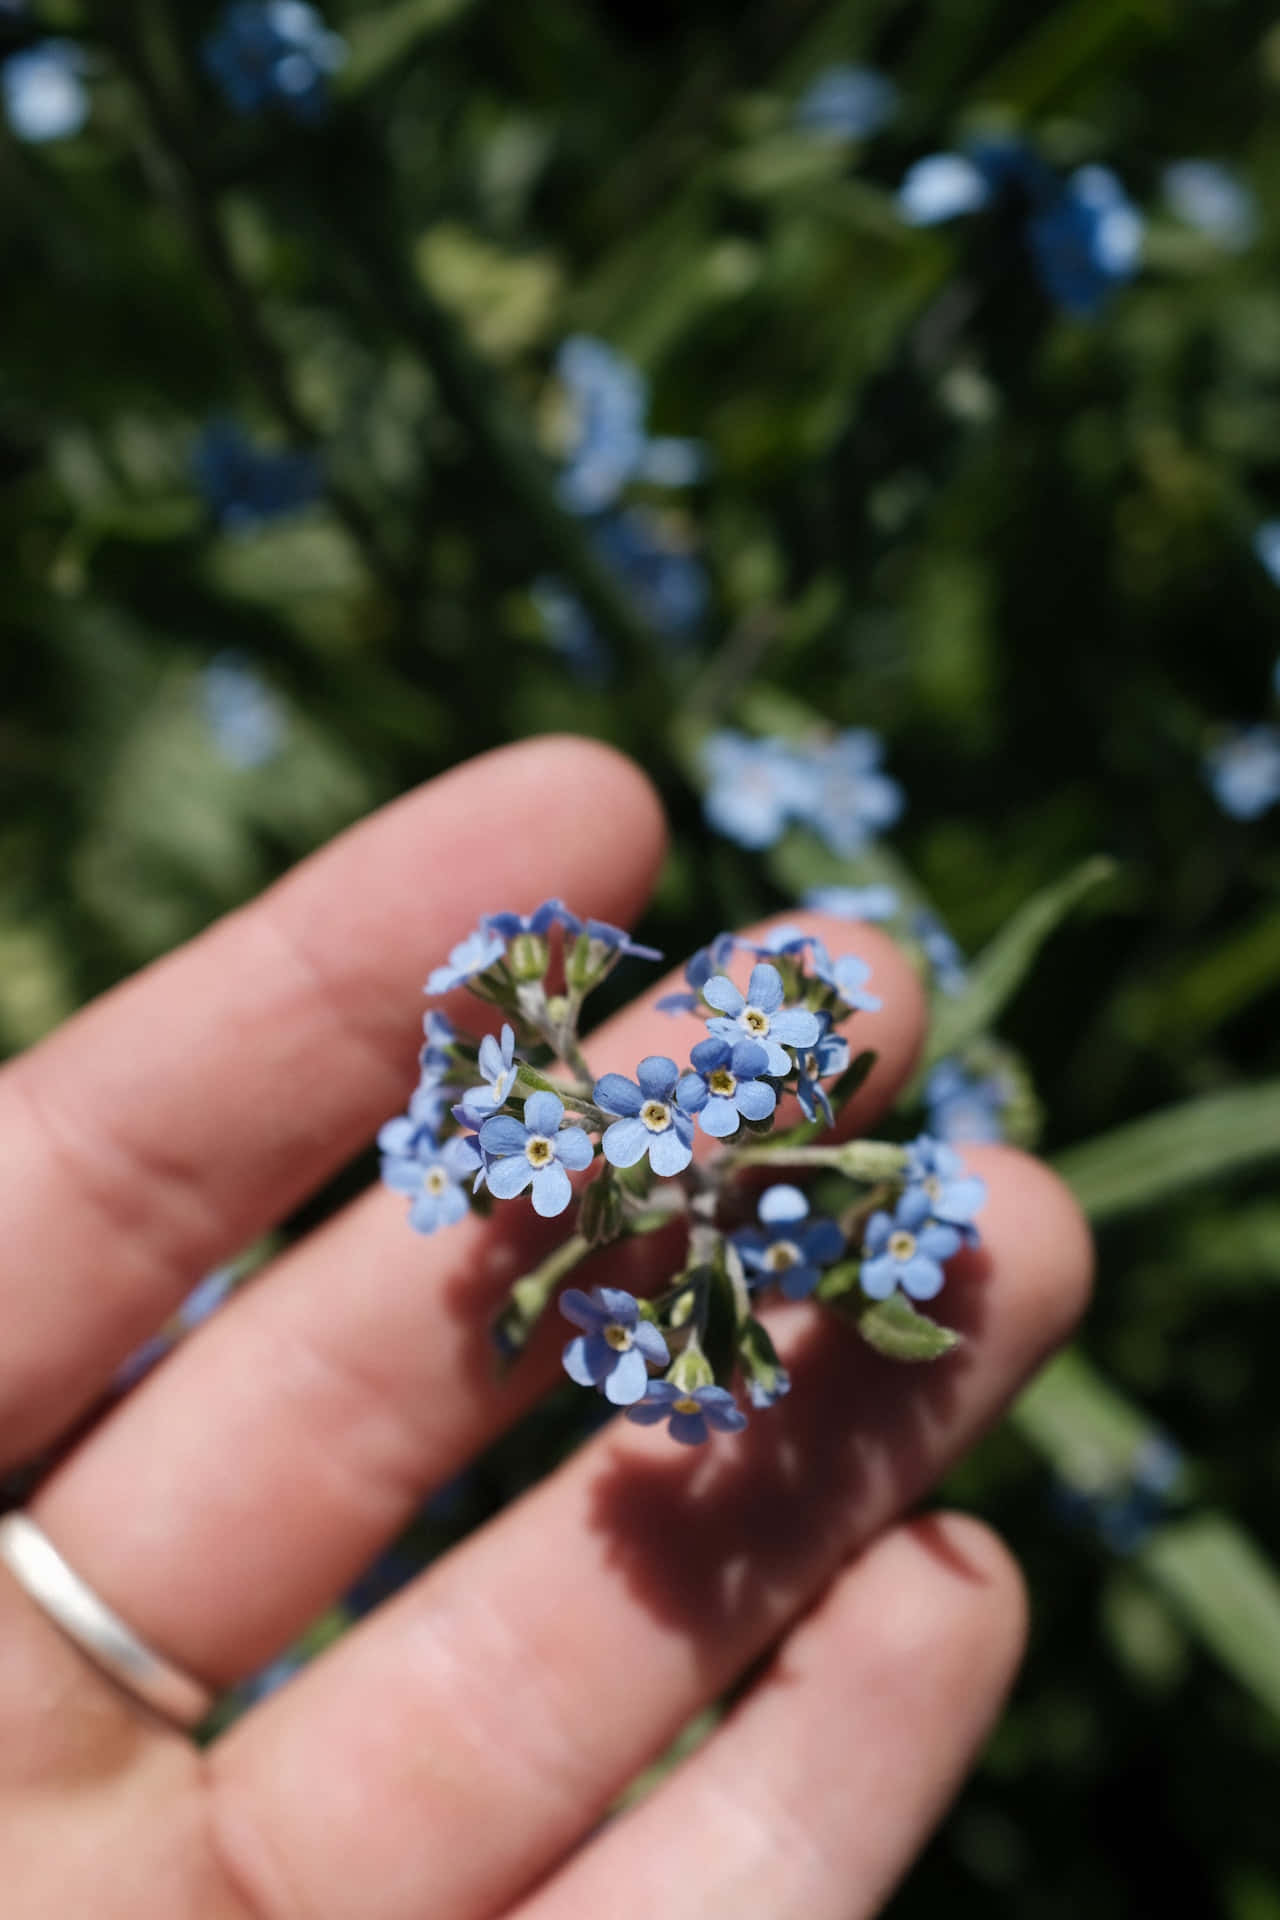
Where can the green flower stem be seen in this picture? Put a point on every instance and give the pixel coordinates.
(531, 1294)
(869, 1160)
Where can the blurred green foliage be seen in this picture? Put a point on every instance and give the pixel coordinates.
(1019, 546)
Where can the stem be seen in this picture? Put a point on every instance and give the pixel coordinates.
(869, 1160)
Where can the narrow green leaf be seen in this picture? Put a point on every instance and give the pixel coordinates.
(531, 1295)
(379, 41)
(895, 1329)
(1148, 1160)
(1226, 1592)
(1001, 967)
(1080, 1423)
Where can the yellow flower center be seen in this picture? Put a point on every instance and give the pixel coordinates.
(902, 1245)
(656, 1116)
(618, 1337)
(538, 1150)
(933, 1186)
(754, 1020)
(722, 1082)
(687, 1405)
(781, 1255)
(435, 1180)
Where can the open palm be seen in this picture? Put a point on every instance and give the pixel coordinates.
(452, 1758)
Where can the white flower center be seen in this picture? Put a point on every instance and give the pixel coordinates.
(618, 1337)
(902, 1245)
(722, 1082)
(754, 1020)
(656, 1115)
(435, 1180)
(781, 1255)
(933, 1187)
(538, 1150)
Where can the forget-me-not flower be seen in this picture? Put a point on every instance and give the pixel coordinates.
(616, 1346)
(755, 788)
(854, 903)
(906, 1249)
(954, 1195)
(476, 954)
(787, 1246)
(615, 940)
(828, 1056)
(847, 103)
(760, 1015)
(1209, 198)
(848, 976)
(699, 968)
(724, 1086)
(947, 961)
(609, 400)
(963, 1107)
(499, 1069)
(265, 53)
(45, 97)
(1087, 241)
(428, 1105)
(691, 1411)
(650, 1120)
(1244, 772)
(854, 798)
(534, 1153)
(432, 1175)
(434, 1057)
(941, 187)
(246, 720)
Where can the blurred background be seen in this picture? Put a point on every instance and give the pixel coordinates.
(868, 416)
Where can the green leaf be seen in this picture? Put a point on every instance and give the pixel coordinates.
(531, 1295)
(1001, 967)
(895, 1329)
(380, 41)
(1088, 1430)
(1148, 1160)
(1227, 1592)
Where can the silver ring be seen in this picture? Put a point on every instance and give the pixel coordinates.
(58, 1591)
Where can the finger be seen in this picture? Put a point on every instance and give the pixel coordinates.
(272, 1457)
(540, 1665)
(877, 1702)
(181, 1115)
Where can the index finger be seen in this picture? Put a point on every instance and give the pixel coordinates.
(174, 1120)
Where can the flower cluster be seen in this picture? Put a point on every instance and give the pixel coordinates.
(273, 53)
(756, 788)
(1082, 233)
(617, 1155)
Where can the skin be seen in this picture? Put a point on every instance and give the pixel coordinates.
(455, 1755)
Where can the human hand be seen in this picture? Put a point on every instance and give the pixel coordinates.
(454, 1755)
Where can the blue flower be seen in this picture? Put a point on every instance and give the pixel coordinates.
(610, 447)
(853, 798)
(551, 913)
(245, 718)
(787, 1246)
(847, 976)
(614, 940)
(616, 1346)
(434, 1058)
(783, 940)
(828, 1056)
(940, 187)
(698, 970)
(906, 1249)
(428, 1105)
(568, 626)
(534, 1153)
(431, 1174)
(847, 103)
(499, 1069)
(725, 1086)
(1266, 544)
(476, 954)
(755, 788)
(1213, 201)
(244, 484)
(760, 1016)
(963, 1107)
(1087, 241)
(854, 903)
(691, 1411)
(954, 1196)
(1244, 772)
(667, 582)
(942, 953)
(45, 97)
(765, 1393)
(651, 1121)
(267, 53)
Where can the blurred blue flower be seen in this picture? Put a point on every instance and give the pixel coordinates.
(906, 1249)
(765, 1393)
(244, 484)
(667, 582)
(1244, 771)
(476, 954)
(569, 628)
(941, 187)
(854, 903)
(755, 787)
(616, 1346)
(265, 53)
(760, 1016)
(854, 798)
(434, 1059)
(961, 1107)
(534, 1153)
(428, 1105)
(45, 97)
(1088, 241)
(1211, 199)
(431, 1175)
(243, 715)
(946, 960)
(954, 1196)
(847, 103)
(691, 1411)
(724, 1086)
(787, 1246)
(610, 447)
(200, 1305)
(1266, 544)
(848, 976)
(650, 1121)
